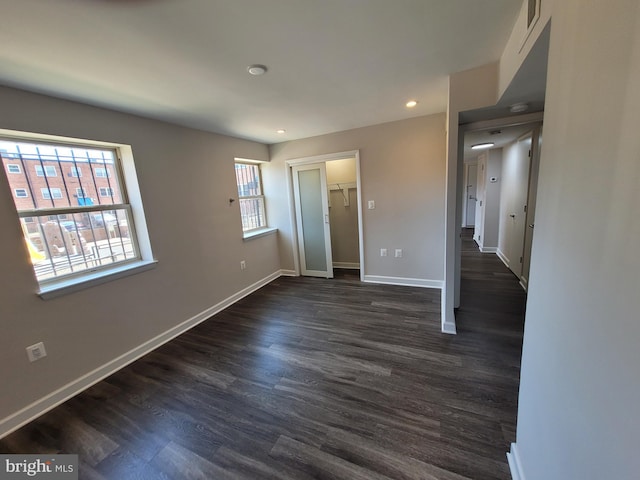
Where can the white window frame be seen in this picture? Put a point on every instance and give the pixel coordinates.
(130, 191)
(47, 171)
(81, 192)
(26, 193)
(108, 192)
(260, 199)
(101, 172)
(76, 172)
(51, 193)
(13, 165)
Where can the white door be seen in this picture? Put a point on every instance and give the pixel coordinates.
(478, 232)
(531, 208)
(518, 208)
(312, 220)
(472, 176)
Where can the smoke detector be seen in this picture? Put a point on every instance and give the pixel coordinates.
(519, 107)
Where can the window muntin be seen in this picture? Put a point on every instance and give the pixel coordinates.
(251, 198)
(70, 231)
(106, 191)
(13, 168)
(46, 171)
(51, 193)
(100, 172)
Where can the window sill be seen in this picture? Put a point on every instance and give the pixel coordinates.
(65, 287)
(258, 233)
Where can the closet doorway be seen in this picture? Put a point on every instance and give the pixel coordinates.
(326, 210)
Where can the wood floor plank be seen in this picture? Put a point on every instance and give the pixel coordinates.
(312, 378)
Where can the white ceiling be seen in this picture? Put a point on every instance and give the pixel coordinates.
(333, 64)
(501, 136)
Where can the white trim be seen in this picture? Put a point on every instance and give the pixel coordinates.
(503, 257)
(532, 25)
(292, 213)
(348, 265)
(327, 157)
(488, 249)
(288, 273)
(260, 232)
(405, 282)
(30, 412)
(449, 328)
(69, 285)
(515, 464)
(523, 284)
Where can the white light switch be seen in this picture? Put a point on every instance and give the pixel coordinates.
(398, 253)
(371, 204)
(383, 252)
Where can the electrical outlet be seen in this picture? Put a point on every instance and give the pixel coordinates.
(36, 352)
(243, 265)
(383, 252)
(398, 253)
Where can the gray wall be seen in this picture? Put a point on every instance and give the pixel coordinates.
(580, 389)
(402, 168)
(186, 178)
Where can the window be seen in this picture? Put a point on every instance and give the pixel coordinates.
(106, 191)
(250, 195)
(13, 168)
(100, 172)
(72, 238)
(46, 171)
(51, 193)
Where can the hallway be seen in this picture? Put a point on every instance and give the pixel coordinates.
(492, 309)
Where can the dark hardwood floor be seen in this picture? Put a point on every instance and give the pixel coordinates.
(311, 378)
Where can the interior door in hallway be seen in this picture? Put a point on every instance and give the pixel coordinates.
(312, 220)
(518, 207)
(472, 178)
(531, 205)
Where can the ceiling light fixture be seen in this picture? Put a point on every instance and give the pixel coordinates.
(257, 69)
(480, 146)
(281, 130)
(411, 104)
(519, 107)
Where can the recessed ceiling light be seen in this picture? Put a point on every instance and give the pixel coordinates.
(281, 130)
(411, 104)
(257, 69)
(480, 146)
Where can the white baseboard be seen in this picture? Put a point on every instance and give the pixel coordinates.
(55, 398)
(288, 273)
(502, 257)
(515, 464)
(449, 328)
(488, 249)
(348, 265)
(523, 284)
(405, 282)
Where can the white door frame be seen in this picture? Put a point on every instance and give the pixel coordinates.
(292, 213)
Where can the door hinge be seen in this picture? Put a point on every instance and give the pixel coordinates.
(520, 259)
(525, 209)
(529, 153)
